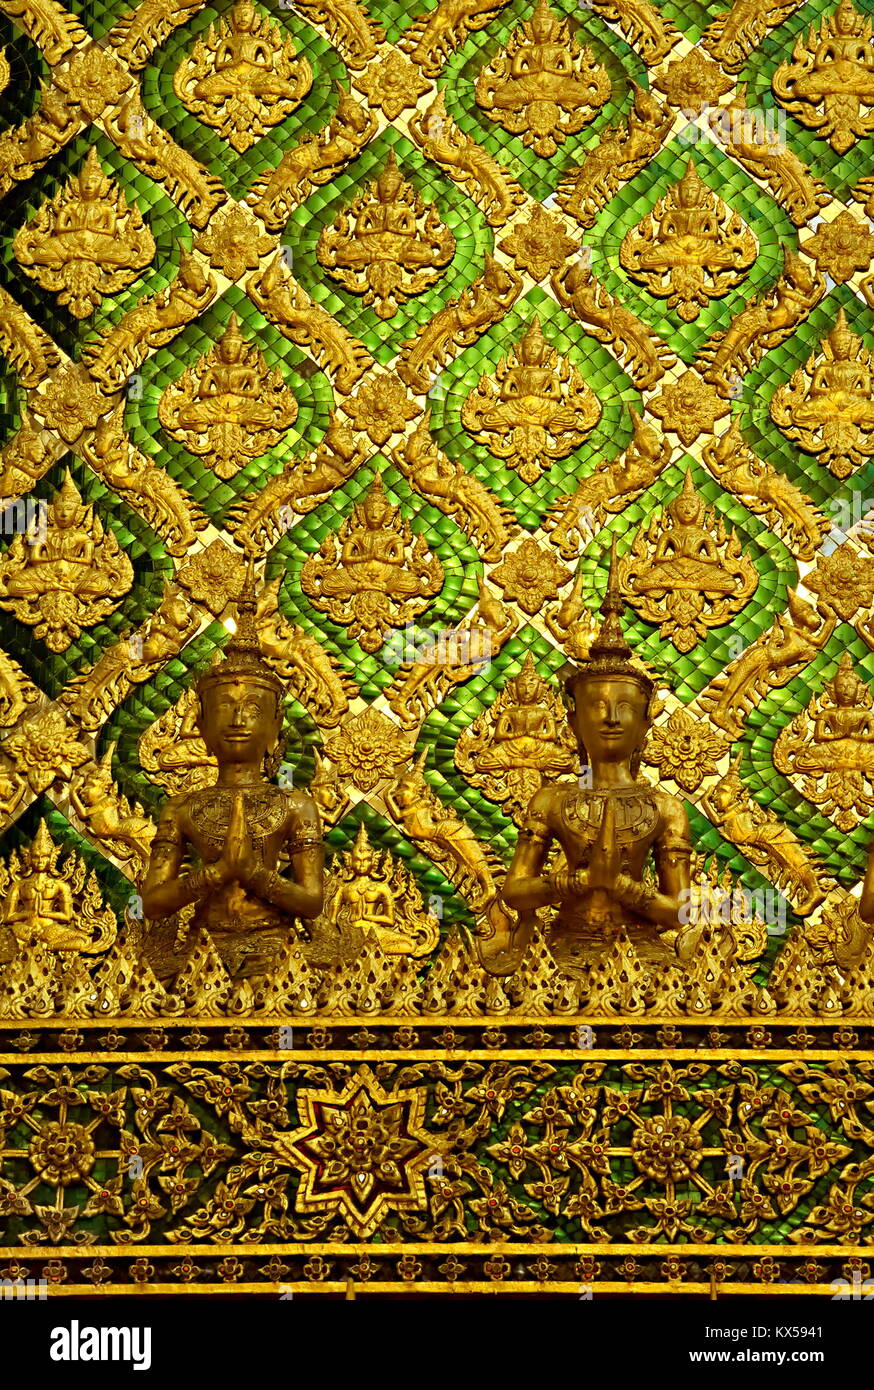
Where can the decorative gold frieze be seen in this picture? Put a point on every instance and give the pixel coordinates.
(388, 245)
(623, 150)
(66, 576)
(372, 574)
(363, 1152)
(535, 408)
(690, 249)
(243, 77)
(229, 407)
(643, 353)
(826, 407)
(458, 324)
(757, 146)
(766, 321)
(481, 176)
(109, 816)
(446, 484)
(519, 742)
(828, 84)
(444, 838)
(544, 86)
(86, 242)
(827, 751)
(45, 903)
(685, 572)
(607, 490)
(765, 841)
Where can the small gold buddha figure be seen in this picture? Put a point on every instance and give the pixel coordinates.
(606, 830)
(239, 829)
(230, 389)
(45, 903)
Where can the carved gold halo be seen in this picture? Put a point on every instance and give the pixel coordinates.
(535, 408)
(69, 577)
(690, 249)
(86, 242)
(59, 906)
(388, 244)
(372, 574)
(684, 572)
(229, 407)
(520, 741)
(827, 407)
(829, 83)
(827, 751)
(243, 78)
(544, 86)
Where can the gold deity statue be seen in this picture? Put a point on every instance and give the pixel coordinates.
(59, 906)
(605, 823)
(388, 245)
(239, 829)
(243, 78)
(685, 572)
(229, 407)
(544, 86)
(85, 242)
(509, 750)
(690, 249)
(65, 575)
(374, 573)
(372, 893)
(827, 751)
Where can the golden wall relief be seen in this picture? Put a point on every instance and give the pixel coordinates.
(437, 642)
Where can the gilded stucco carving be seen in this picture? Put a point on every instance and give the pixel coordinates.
(339, 343)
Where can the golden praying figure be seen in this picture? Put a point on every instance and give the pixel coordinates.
(240, 828)
(605, 823)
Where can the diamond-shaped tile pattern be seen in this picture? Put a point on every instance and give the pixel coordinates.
(468, 330)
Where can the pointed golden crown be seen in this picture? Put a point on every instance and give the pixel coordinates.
(609, 653)
(242, 658)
